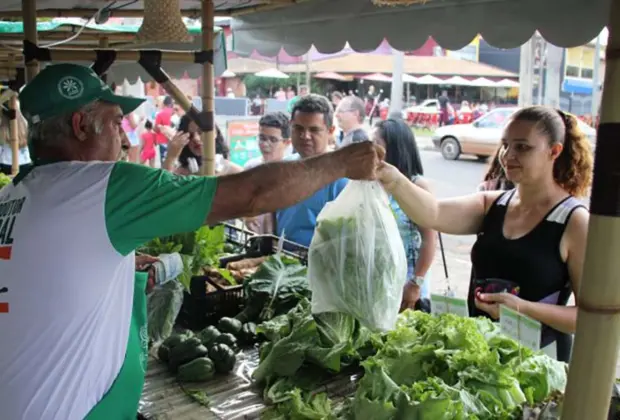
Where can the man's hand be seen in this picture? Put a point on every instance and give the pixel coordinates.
(143, 261)
(361, 160)
(411, 294)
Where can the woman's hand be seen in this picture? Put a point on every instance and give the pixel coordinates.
(388, 175)
(489, 303)
(411, 295)
(176, 145)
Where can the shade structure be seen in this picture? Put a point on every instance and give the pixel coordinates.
(271, 74)
(482, 82)
(407, 78)
(457, 81)
(330, 75)
(507, 83)
(228, 74)
(120, 37)
(429, 80)
(565, 23)
(377, 77)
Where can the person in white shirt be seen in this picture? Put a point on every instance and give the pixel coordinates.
(6, 152)
(274, 139)
(350, 115)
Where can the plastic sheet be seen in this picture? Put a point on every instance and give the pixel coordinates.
(231, 397)
(357, 263)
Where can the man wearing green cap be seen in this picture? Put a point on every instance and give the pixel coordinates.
(72, 313)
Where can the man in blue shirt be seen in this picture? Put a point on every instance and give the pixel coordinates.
(312, 120)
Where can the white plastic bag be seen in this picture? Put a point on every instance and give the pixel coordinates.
(357, 263)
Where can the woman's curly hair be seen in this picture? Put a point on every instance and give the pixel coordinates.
(572, 169)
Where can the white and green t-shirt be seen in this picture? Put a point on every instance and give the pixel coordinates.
(68, 232)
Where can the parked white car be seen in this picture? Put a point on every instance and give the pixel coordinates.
(481, 138)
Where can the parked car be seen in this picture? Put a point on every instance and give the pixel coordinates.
(428, 106)
(482, 137)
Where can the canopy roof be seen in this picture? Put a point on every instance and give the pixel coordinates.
(329, 24)
(87, 8)
(120, 36)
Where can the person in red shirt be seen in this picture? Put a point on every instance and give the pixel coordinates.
(163, 119)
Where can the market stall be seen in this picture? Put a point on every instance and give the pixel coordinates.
(504, 362)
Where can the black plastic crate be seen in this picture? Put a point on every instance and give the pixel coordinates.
(201, 308)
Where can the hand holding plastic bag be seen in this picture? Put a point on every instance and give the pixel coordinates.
(357, 263)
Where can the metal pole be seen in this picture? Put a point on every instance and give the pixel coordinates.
(525, 74)
(541, 69)
(596, 79)
(592, 369)
(14, 131)
(308, 71)
(396, 98)
(208, 84)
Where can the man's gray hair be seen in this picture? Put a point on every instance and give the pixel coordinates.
(55, 131)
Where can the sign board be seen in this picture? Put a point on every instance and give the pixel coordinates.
(520, 327)
(242, 138)
(441, 304)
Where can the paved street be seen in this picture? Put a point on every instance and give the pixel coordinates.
(450, 179)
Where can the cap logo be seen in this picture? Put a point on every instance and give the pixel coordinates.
(70, 87)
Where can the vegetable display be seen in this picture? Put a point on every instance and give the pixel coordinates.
(4, 180)
(163, 306)
(357, 263)
(274, 289)
(428, 367)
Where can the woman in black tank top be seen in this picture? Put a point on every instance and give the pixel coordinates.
(531, 240)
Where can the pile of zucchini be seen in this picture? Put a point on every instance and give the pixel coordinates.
(198, 357)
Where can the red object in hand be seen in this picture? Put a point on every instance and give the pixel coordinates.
(477, 293)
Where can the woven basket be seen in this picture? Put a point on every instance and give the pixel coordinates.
(163, 23)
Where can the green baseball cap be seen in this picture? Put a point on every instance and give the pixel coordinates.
(64, 88)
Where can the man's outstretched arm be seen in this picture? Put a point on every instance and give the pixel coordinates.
(279, 185)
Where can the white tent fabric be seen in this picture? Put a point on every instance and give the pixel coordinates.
(482, 82)
(329, 24)
(457, 81)
(407, 78)
(507, 83)
(271, 74)
(429, 80)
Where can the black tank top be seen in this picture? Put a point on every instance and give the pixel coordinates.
(532, 261)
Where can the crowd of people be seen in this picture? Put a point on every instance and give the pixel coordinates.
(82, 213)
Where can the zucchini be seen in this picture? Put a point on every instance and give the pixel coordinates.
(185, 352)
(208, 335)
(163, 353)
(223, 358)
(229, 325)
(229, 340)
(198, 370)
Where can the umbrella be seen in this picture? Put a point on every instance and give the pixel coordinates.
(457, 81)
(330, 75)
(271, 74)
(377, 77)
(429, 80)
(407, 78)
(482, 82)
(228, 74)
(507, 83)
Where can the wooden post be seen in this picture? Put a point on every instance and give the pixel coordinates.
(208, 84)
(593, 366)
(29, 17)
(14, 131)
